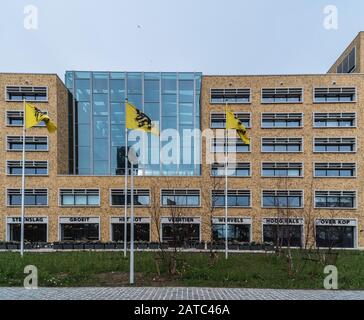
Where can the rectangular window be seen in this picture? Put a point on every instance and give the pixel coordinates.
(234, 145)
(79, 197)
(282, 95)
(282, 145)
(141, 232)
(335, 199)
(240, 169)
(235, 198)
(80, 232)
(334, 94)
(15, 143)
(335, 237)
(283, 234)
(218, 120)
(235, 232)
(282, 199)
(282, 169)
(335, 170)
(20, 93)
(33, 197)
(335, 145)
(334, 120)
(180, 198)
(221, 96)
(141, 197)
(16, 118)
(32, 168)
(282, 120)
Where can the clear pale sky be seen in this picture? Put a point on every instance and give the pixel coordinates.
(211, 36)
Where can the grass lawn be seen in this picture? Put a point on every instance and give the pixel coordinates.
(240, 270)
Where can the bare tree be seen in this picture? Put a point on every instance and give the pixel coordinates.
(209, 199)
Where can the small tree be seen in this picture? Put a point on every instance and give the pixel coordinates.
(209, 199)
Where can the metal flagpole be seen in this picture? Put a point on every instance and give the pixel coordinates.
(23, 188)
(125, 185)
(226, 186)
(132, 223)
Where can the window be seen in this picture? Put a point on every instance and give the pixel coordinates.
(15, 143)
(283, 235)
(335, 237)
(282, 199)
(335, 145)
(15, 119)
(33, 232)
(282, 169)
(80, 231)
(141, 232)
(79, 197)
(282, 95)
(141, 197)
(335, 199)
(180, 198)
(348, 64)
(334, 170)
(16, 93)
(234, 145)
(282, 120)
(33, 197)
(334, 120)
(235, 232)
(240, 169)
(181, 233)
(230, 96)
(235, 198)
(31, 168)
(218, 120)
(334, 94)
(282, 145)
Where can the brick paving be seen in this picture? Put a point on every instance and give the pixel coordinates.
(127, 293)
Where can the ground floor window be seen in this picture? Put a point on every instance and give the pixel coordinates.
(32, 232)
(35, 229)
(79, 229)
(180, 231)
(335, 237)
(336, 233)
(238, 229)
(283, 231)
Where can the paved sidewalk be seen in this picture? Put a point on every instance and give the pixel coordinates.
(127, 293)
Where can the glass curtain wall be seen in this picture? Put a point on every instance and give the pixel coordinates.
(172, 100)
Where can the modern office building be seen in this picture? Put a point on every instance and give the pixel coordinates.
(299, 181)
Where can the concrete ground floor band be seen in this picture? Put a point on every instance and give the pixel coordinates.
(187, 229)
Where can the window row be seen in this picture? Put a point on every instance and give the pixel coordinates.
(217, 95)
(28, 93)
(181, 230)
(283, 95)
(32, 143)
(288, 120)
(286, 169)
(185, 198)
(286, 145)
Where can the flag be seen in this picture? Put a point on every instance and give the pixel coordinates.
(137, 120)
(33, 116)
(232, 122)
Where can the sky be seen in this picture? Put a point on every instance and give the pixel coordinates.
(218, 37)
